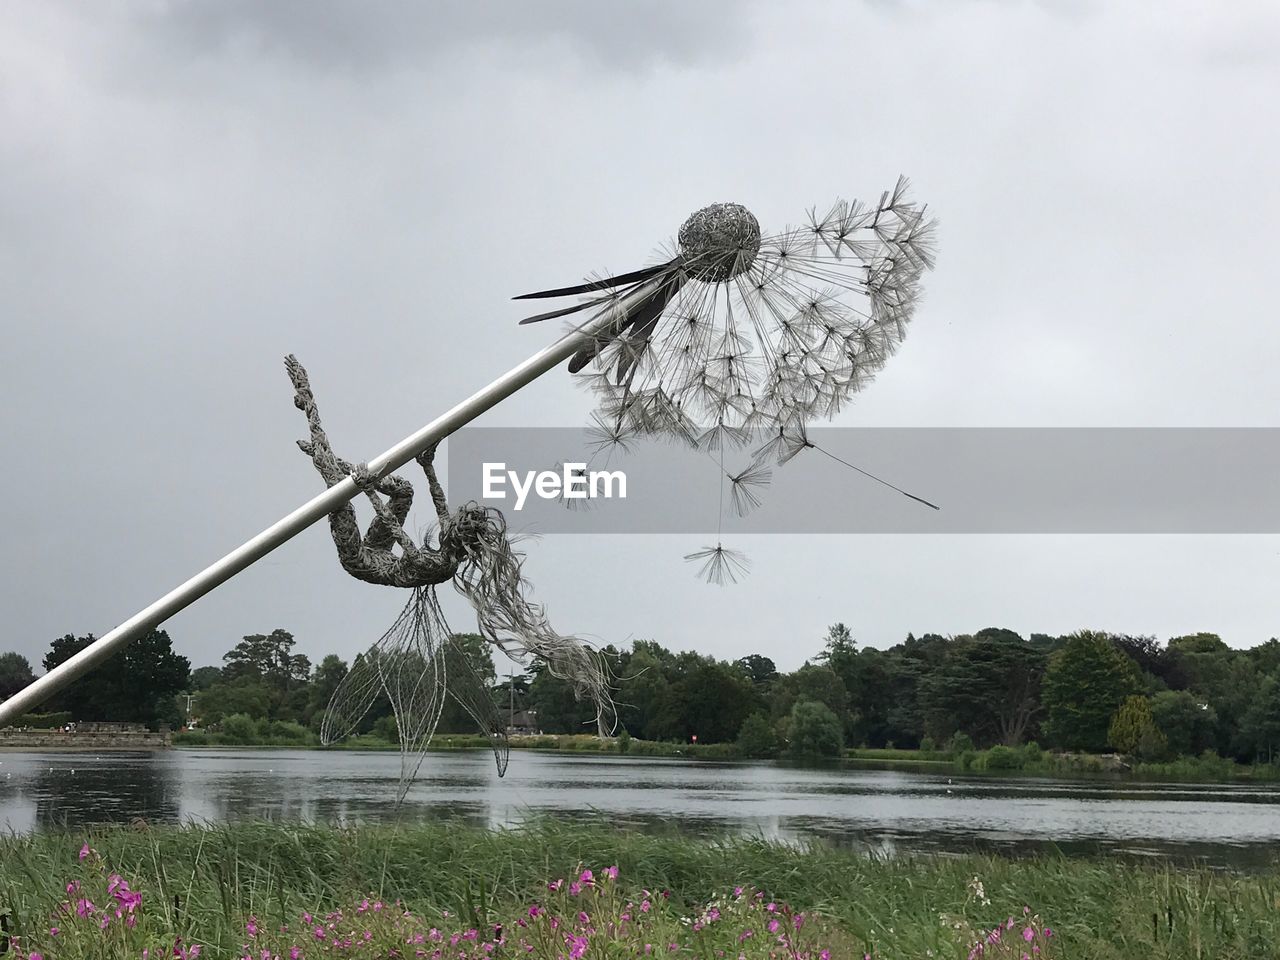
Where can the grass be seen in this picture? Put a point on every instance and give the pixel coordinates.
(221, 875)
(1030, 760)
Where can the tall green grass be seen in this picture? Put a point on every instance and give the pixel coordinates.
(222, 874)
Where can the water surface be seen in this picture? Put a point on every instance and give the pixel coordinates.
(884, 811)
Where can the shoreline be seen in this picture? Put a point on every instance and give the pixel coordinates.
(1082, 767)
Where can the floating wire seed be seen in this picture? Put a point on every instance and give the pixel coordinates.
(744, 486)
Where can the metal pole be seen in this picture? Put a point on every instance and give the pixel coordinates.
(325, 503)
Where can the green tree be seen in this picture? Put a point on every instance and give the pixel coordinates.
(987, 685)
(324, 683)
(1267, 657)
(757, 737)
(1085, 684)
(267, 657)
(761, 670)
(814, 730)
(559, 709)
(15, 673)
(715, 698)
(1260, 726)
(202, 678)
(839, 648)
(136, 685)
(248, 696)
(812, 682)
(1134, 732)
(1187, 722)
(469, 652)
(646, 705)
(1199, 643)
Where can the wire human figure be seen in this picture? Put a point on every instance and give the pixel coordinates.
(417, 663)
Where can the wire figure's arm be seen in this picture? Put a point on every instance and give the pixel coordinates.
(426, 460)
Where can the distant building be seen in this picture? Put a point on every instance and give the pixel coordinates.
(523, 723)
(105, 727)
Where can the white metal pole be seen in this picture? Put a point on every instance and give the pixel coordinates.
(325, 503)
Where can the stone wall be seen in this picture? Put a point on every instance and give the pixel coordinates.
(37, 740)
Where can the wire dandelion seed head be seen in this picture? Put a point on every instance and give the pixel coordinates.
(737, 336)
(720, 241)
(754, 329)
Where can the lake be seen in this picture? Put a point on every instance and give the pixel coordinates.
(886, 812)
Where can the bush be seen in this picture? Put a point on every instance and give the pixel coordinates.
(961, 743)
(385, 729)
(624, 741)
(43, 721)
(239, 728)
(928, 744)
(1003, 758)
(286, 731)
(1031, 753)
(815, 730)
(756, 738)
(1133, 731)
(1218, 768)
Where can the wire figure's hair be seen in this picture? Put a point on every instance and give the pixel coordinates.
(491, 577)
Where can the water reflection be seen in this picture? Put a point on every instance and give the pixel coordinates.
(882, 812)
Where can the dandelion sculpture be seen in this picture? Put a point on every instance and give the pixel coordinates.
(735, 339)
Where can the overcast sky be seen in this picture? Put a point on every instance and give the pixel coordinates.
(189, 191)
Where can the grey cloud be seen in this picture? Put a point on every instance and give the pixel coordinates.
(329, 34)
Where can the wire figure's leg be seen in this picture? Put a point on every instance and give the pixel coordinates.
(342, 521)
(387, 526)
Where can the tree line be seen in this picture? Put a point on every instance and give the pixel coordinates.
(1089, 691)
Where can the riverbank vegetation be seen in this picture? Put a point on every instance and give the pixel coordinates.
(304, 891)
(1190, 707)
